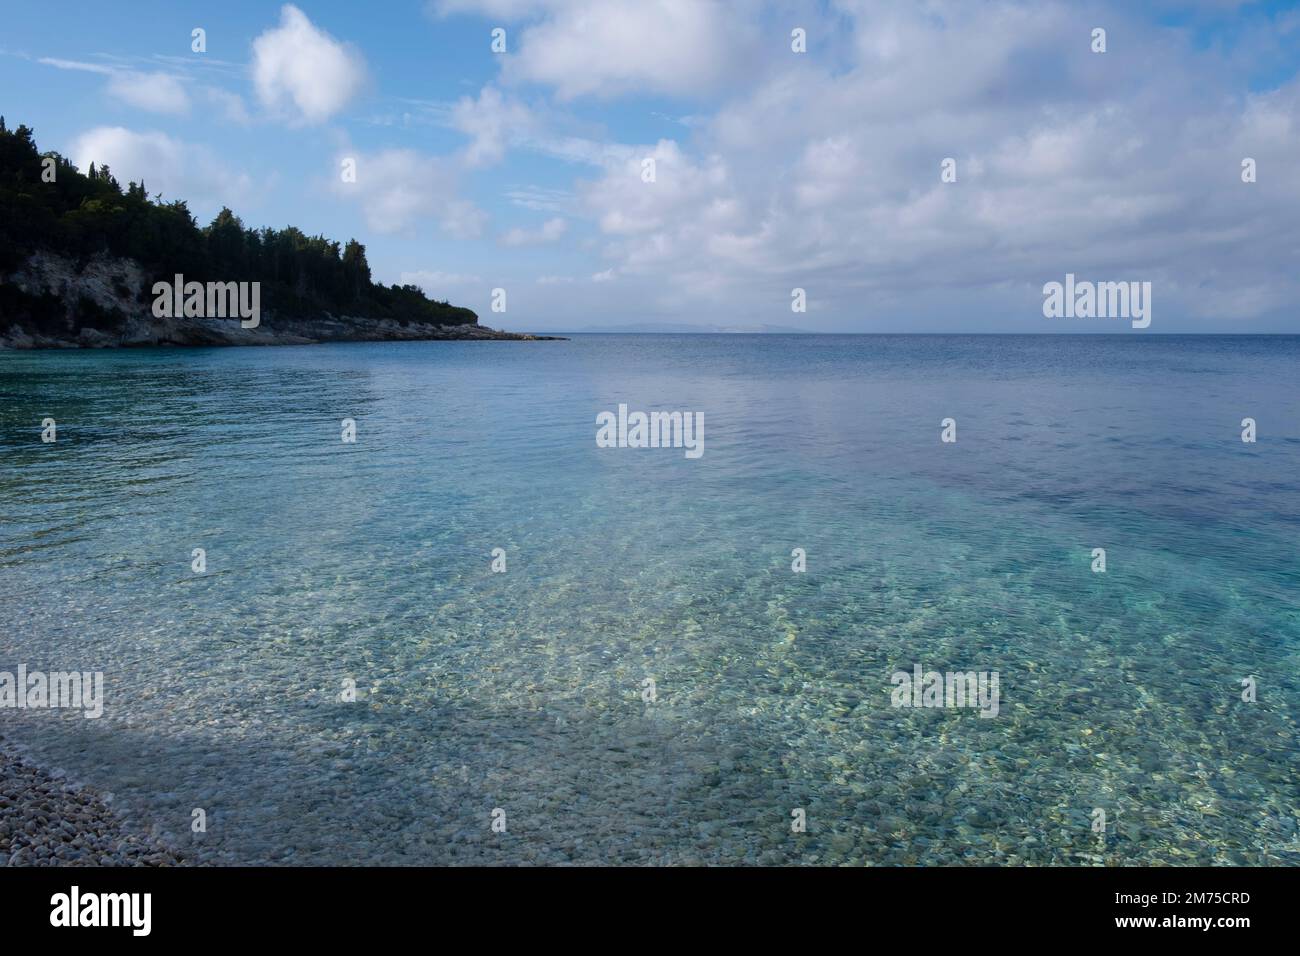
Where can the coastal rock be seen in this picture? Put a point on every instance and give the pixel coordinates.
(105, 304)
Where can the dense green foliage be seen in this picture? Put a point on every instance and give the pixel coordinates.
(80, 215)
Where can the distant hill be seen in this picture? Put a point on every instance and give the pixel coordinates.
(79, 256)
(682, 328)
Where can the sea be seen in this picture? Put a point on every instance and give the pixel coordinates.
(392, 603)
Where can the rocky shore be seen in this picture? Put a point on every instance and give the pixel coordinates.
(48, 821)
(141, 331)
(103, 303)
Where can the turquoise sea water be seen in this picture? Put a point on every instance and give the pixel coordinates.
(524, 690)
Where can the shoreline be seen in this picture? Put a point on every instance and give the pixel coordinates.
(47, 820)
(207, 334)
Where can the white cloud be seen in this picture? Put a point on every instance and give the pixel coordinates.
(155, 92)
(441, 285)
(827, 177)
(550, 231)
(493, 123)
(506, 9)
(627, 205)
(169, 166)
(607, 48)
(540, 199)
(398, 188)
(230, 104)
(76, 65)
(461, 219)
(299, 68)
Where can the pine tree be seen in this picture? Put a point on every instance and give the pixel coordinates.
(85, 213)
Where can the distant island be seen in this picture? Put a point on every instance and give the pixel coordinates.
(80, 259)
(684, 328)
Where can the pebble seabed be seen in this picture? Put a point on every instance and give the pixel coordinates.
(46, 820)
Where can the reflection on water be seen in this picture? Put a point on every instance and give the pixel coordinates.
(371, 561)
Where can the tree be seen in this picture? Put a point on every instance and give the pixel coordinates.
(83, 214)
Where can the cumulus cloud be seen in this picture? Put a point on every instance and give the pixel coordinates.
(399, 188)
(826, 176)
(493, 123)
(302, 70)
(169, 166)
(607, 48)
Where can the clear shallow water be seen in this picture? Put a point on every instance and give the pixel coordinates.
(523, 690)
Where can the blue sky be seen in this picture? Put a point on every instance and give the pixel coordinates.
(773, 169)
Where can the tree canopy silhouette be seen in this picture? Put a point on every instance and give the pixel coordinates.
(81, 214)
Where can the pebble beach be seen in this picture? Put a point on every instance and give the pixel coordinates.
(46, 820)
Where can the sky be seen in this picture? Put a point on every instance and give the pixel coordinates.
(773, 169)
